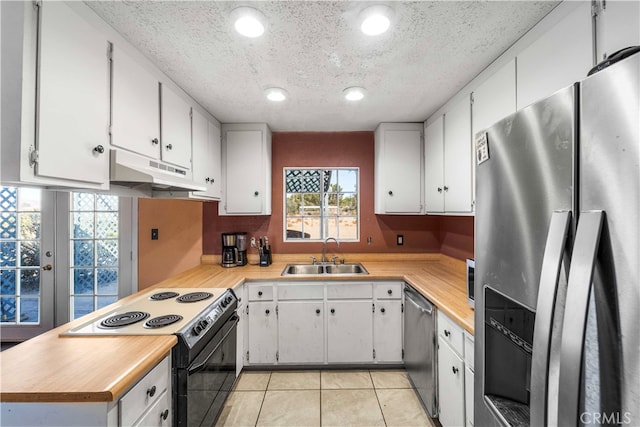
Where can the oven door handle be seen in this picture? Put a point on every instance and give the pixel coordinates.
(201, 361)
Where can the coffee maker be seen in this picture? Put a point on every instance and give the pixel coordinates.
(241, 245)
(229, 250)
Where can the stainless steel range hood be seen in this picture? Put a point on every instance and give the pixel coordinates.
(131, 169)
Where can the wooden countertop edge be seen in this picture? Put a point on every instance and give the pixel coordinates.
(112, 392)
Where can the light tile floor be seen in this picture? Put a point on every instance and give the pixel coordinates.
(324, 398)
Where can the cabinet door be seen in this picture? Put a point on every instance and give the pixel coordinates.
(468, 395)
(457, 158)
(495, 98)
(263, 332)
(176, 129)
(560, 57)
(349, 331)
(387, 331)
(450, 386)
(617, 27)
(206, 155)
(301, 332)
(402, 176)
(73, 98)
(215, 171)
(244, 171)
(434, 166)
(136, 106)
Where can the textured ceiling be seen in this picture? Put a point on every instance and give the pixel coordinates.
(315, 49)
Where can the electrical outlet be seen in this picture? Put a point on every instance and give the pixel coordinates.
(154, 234)
(399, 240)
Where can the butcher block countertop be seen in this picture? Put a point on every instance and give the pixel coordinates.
(50, 368)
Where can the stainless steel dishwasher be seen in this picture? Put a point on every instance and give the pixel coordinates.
(420, 347)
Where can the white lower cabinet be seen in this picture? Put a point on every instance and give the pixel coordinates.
(450, 385)
(349, 331)
(468, 396)
(242, 321)
(301, 331)
(317, 323)
(262, 327)
(147, 403)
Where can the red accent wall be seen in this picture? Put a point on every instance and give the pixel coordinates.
(422, 233)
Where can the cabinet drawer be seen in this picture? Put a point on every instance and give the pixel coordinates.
(300, 291)
(451, 333)
(159, 414)
(260, 292)
(468, 350)
(391, 290)
(349, 291)
(145, 393)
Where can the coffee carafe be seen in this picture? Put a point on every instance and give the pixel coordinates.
(229, 250)
(241, 245)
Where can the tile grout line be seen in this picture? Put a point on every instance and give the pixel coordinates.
(375, 392)
(264, 396)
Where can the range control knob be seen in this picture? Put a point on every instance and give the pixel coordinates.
(197, 329)
(203, 323)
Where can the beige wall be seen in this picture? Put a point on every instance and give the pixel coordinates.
(179, 246)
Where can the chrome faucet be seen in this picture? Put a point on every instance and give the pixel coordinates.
(324, 248)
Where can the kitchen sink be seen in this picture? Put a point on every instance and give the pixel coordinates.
(353, 269)
(345, 269)
(297, 269)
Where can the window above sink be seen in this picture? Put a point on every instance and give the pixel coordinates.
(321, 203)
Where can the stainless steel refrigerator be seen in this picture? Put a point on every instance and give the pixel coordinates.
(557, 311)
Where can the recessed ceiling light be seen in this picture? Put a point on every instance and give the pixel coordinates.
(354, 93)
(375, 20)
(275, 94)
(248, 21)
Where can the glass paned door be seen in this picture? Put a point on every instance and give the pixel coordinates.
(26, 258)
(94, 252)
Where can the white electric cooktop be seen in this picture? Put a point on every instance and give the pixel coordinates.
(150, 312)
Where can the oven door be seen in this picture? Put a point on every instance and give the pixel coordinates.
(210, 378)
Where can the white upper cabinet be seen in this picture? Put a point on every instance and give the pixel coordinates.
(136, 106)
(618, 26)
(560, 57)
(55, 97)
(246, 169)
(175, 131)
(457, 158)
(495, 98)
(448, 161)
(399, 168)
(73, 98)
(434, 165)
(206, 156)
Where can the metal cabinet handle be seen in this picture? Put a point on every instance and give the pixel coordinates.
(267, 311)
(259, 293)
(454, 369)
(164, 414)
(256, 193)
(439, 189)
(98, 149)
(333, 310)
(389, 291)
(207, 179)
(447, 333)
(382, 310)
(155, 141)
(151, 391)
(47, 267)
(169, 146)
(317, 311)
(390, 193)
(446, 188)
(543, 330)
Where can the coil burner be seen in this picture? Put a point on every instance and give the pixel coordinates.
(124, 319)
(194, 297)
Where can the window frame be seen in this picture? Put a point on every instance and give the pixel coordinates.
(322, 217)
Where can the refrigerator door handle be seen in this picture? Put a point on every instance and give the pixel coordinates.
(548, 290)
(575, 317)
